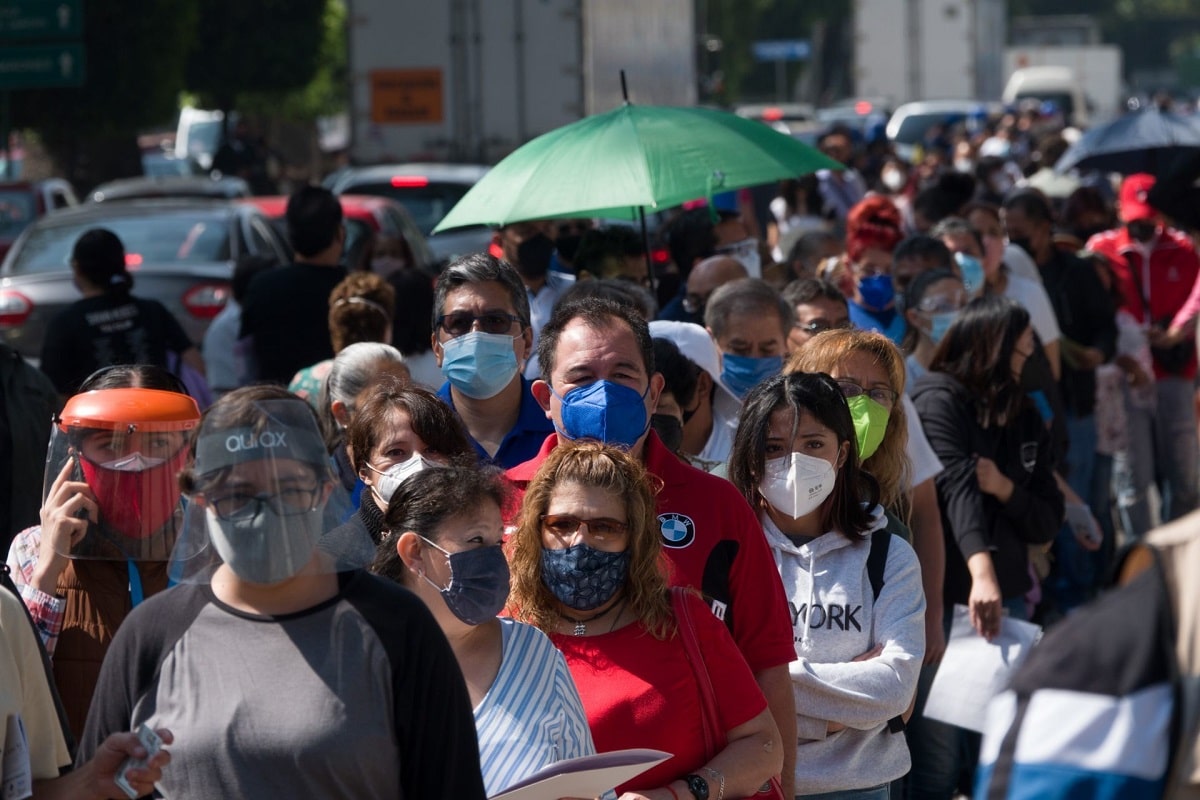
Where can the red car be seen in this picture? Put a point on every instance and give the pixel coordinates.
(22, 202)
(367, 217)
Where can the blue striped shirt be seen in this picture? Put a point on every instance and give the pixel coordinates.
(532, 715)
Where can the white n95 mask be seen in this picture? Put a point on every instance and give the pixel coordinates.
(797, 484)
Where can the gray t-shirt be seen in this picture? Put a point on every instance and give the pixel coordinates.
(358, 697)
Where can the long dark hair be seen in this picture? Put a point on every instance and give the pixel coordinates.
(977, 352)
(819, 395)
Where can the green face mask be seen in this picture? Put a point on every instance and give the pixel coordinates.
(870, 424)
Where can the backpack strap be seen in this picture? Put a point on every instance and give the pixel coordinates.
(881, 540)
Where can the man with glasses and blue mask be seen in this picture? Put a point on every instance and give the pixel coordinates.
(599, 382)
(819, 306)
(482, 338)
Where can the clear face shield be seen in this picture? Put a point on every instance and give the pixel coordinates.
(113, 460)
(258, 493)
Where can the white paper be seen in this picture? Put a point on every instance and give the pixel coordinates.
(587, 776)
(974, 670)
(16, 771)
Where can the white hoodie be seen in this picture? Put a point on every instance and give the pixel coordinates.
(829, 576)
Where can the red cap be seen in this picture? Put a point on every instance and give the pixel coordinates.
(1132, 203)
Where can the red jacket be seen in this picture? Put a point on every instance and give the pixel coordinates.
(1166, 280)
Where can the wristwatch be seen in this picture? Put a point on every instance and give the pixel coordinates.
(697, 785)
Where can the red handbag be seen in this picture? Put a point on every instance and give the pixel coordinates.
(710, 722)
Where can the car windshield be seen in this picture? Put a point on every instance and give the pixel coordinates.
(17, 210)
(425, 204)
(914, 127)
(195, 238)
(1062, 100)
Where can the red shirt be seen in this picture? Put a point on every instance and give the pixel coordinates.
(716, 545)
(639, 691)
(1166, 280)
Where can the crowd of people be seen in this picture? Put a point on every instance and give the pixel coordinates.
(384, 535)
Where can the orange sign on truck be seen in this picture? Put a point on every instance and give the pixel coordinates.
(406, 96)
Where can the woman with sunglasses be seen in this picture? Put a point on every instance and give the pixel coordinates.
(280, 672)
(854, 588)
(444, 544)
(588, 570)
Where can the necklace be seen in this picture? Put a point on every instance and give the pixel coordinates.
(581, 622)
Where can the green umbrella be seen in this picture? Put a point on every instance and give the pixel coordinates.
(633, 158)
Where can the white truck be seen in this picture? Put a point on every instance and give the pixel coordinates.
(910, 50)
(1085, 80)
(471, 80)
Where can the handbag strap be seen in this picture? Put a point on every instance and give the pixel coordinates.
(710, 722)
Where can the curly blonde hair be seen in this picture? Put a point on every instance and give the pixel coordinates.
(361, 308)
(889, 465)
(592, 464)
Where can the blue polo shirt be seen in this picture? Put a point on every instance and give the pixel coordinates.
(524, 440)
(890, 322)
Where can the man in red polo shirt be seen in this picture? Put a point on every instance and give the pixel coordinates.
(598, 381)
(1155, 267)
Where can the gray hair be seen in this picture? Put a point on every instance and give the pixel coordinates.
(481, 268)
(354, 368)
(746, 296)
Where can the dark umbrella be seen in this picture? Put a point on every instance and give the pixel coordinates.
(1150, 141)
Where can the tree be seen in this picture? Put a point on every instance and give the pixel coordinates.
(254, 46)
(135, 52)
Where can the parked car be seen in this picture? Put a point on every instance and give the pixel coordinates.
(911, 121)
(156, 186)
(181, 253)
(22, 202)
(365, 216)
(428, 192)
(158, 163)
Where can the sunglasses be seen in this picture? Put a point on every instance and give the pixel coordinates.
(599, 528)
(462, 322)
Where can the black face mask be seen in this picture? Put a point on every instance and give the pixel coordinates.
(1142, 230)
(568, 245)
(533, 256)
(669, 429)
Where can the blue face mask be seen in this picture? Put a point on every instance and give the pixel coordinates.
(479, 364)
(972, 272)
(605, 411)
(583, 577)
(940, 323)
(877, 291)
(743, 373)
(479, 580)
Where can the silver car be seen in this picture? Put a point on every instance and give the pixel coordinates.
(428, 192)
(180, 252)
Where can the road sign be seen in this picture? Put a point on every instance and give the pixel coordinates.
(782, 50)
(41, 19)
(41, 66)
(406, 96)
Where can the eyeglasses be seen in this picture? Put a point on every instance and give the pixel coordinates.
(941, 305)
(820, 326)
(600, 529)
(885, 397)
(746, 247)
(289, 502)
(463, 322)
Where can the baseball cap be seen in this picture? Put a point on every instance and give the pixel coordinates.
(1133, 201)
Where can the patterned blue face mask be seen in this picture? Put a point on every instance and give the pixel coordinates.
(582, 577)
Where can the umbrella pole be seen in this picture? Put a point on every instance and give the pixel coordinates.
(649, 259)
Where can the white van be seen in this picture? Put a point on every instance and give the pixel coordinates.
(1059, 85)
(200, 134)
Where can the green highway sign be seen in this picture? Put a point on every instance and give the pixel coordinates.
(41, 19)
(41, 66)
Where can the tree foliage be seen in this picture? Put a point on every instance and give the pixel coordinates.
(327, 93)
(254, 46)
(135, 54)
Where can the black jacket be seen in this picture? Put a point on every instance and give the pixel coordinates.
(971, 520)
(27, 404)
